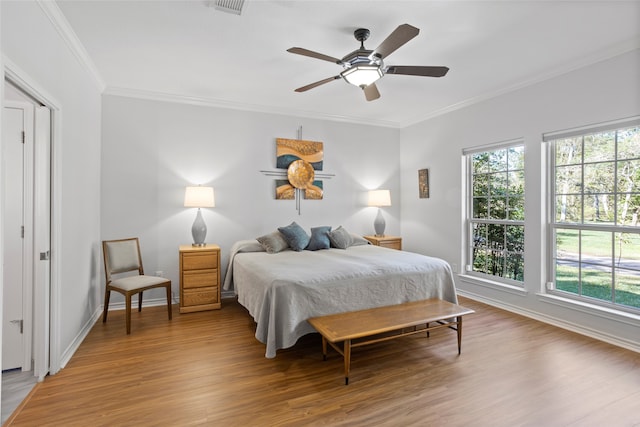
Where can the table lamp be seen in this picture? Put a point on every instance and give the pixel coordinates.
(199, 197)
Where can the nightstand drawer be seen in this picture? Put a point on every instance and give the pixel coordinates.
(199, 261)
(392, 244)
(200, 278)
(200, 296)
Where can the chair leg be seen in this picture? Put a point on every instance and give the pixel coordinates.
(128, 312)
(107, 294)
(169, 300)
(140, 301)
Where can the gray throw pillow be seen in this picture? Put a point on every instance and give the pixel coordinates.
(340, 238)
(319, 238)
(296, 237)
(273, 242)
(359, 240)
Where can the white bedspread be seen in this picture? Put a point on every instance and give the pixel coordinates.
(282, 290)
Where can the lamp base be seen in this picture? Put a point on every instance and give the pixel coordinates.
(198, 245)
(199, 230)
(379, 224)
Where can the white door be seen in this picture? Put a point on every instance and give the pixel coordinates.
(13, 342)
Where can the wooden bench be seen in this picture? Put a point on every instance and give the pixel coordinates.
(373, 323)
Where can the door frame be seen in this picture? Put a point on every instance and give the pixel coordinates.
(47, 329)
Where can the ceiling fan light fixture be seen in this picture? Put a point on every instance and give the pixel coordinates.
(362, 75)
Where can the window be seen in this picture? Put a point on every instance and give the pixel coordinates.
(496, 213)
(595, 229)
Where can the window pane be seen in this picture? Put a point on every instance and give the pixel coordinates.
(498, 208)
(479, 235)
(627, 250)
(568, 245)
(599, 147)
(480, 257)
(568, 276)
(599, 177)
(568, 151)
(596, 282)
(496, 236)
(629, 143)
(629, 176)
(515, 238)
(498, 161)
(514, 266)
(498, 184)
(516, 183)
(569, 180)
(627, 287)
(598, 208)
(480, 185)
(596, 247)
(480, 163)
(480, 207)
(516, 208)
(516, 158)
(569, 209)
(628, 209)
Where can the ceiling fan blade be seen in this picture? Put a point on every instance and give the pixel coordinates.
(371, 92)
(417, 70)
(312, 54)
(316, 84)
(397, 38)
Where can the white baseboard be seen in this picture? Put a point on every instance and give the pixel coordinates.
(73, 347)
(561, 323)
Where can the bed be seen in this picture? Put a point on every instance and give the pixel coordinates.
(282, 290)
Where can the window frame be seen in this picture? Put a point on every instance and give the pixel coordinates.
(469, 212)
(553, 226)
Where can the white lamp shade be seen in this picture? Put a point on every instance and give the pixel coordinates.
(379, 198)
(199, 197)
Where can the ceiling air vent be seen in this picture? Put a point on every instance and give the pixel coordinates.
(229, 6)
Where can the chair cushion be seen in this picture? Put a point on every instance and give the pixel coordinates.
(137, 282)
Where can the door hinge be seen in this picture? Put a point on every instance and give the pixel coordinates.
(23, 136)
(44, 256)
(19, 322)
(22, 231)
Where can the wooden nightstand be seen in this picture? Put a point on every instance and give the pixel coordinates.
(391, 242)
(199, 278)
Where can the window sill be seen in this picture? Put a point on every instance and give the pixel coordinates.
(474, 280)
(592, 309)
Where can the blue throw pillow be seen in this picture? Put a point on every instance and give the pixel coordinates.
(295, 236)
(319, 238)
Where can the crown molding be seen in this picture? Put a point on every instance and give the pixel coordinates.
(603, 55)
(62, 26)
(211, 102)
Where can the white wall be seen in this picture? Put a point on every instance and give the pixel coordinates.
(35, 50)
(152, 150)
(601, 92)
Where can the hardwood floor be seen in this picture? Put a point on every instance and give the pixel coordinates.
(208, 369)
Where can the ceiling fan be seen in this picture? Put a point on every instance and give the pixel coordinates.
(364, 67)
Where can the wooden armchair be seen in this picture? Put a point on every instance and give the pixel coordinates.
(123, 256)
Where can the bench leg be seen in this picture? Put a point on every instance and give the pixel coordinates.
(324, 348)
(347, 360)
(459, 328)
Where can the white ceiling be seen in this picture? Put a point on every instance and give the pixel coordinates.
(187, 51)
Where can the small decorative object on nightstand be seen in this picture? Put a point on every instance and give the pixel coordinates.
(392, 242)
(199, 278)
